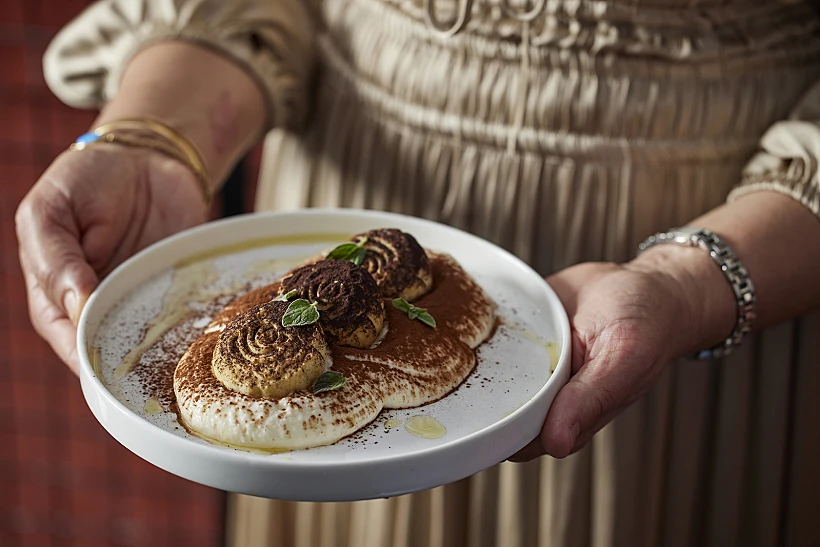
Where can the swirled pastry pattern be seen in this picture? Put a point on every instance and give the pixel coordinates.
(411, 365)
(348, 299)
(257, 356)
(397, 262)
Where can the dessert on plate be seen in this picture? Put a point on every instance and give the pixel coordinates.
(379, 322)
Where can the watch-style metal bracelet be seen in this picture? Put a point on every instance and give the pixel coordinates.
(734, 271)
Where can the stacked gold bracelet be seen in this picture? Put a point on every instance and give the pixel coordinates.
(146, 133)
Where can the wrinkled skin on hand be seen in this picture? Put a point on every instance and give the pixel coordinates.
(91, 210)
(624, 323)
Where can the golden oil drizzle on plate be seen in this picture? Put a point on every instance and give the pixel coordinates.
(197, 271)
(186, 287)
(264, 242)
(424, 427)
(95, 357)
(152, 406)
(553, 351)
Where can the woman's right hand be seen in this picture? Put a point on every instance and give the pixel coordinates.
(87, 213)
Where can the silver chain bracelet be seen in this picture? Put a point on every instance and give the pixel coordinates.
(734, 271)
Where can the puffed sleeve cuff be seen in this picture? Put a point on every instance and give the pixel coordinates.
(789, 158)
(271, 40)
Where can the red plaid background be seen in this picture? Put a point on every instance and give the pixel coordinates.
(63, 480)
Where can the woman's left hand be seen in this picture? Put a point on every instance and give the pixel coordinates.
(628, 322)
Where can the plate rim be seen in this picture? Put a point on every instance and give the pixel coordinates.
(99, 387)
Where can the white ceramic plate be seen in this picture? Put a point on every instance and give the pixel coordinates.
(186, 278)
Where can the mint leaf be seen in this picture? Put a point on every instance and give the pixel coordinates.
(402, 304)
(285, 297)
(342, 252)
(427, 319)
(328, 381)
(414, 312)
(300, 313)
(354, 252)
(358, 256)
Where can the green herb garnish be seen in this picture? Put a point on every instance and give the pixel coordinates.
(300, 313)
(354, 252)
(414, 312)
(285, 297)
(328, 381)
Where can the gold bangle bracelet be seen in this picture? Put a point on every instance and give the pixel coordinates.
(170, 142)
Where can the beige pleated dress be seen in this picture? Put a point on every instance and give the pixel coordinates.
(565, 134)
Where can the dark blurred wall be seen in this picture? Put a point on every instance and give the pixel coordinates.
(63, 480)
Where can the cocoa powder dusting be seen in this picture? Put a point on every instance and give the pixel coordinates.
(416, 359)
(346, 294)
(394, 259)
(155, 368)
(411, 362)
(276, 348)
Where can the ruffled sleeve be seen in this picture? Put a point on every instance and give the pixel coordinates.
(271, 39)
(789, 158)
